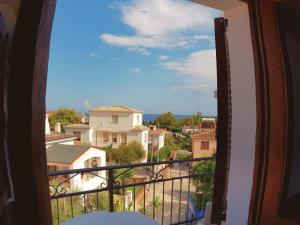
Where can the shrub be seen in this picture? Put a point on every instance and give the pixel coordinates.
(164, 153)
(183, 154)
(133, 152)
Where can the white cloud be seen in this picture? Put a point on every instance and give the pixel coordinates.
(95, 55)
(163, 24)
(163, 57)
(199, 69)
(136, 70)
(140, 50)
(159, 18)
(87, 104)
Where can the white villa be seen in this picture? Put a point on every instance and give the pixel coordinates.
(68, 157)
(156, 138)
(56, 137)
(111, 125)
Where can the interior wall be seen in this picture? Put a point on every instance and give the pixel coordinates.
(243, 136)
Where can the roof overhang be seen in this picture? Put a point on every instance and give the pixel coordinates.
(61, 140)
(223, 5)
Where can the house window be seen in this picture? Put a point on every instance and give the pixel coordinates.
(91, 163)
(77, 134)
(138, 119)
(105, 137)
(114, 138)
(95, 162)
(114, 119)
(123, 139)
(204, 145)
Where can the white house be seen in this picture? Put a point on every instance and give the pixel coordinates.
(111, 125)
(82, 132)
(59, 138)
(56, 137)
(68, 157)
(156, 138)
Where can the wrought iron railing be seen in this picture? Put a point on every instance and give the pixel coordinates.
(171, 192)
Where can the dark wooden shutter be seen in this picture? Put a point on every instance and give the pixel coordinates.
(224, 123)
(5, 191)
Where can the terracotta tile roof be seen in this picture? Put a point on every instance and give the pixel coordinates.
(140, 128)
(49, 113)
(114, 130)
(79, 125)
(115, 108)
(157, 132)
(192, 127)
(205, 134)
(54, 136)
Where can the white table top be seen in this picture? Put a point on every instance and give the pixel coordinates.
(107, 218)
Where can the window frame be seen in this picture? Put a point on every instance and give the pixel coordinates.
(104, 135)
(114, 119)
(114, 136)
(204, 144)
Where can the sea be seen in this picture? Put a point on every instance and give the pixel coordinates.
(151, 117)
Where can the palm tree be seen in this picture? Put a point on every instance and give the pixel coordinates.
(156, 203)
(109, 149)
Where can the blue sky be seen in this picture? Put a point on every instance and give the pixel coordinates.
(154, 55)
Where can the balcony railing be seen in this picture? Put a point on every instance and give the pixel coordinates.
(170, 192)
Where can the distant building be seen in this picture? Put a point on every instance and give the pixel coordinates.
(68, 157)
(56, 137)
(206, 123)
(59, 138)
(156, 138)
(84, 118)
(82, 132)
(204, 143)
(191, 129)
(111, 125)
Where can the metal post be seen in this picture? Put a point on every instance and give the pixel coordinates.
(110, 186)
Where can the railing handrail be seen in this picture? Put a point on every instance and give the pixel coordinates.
(183, 171)
(122, 166)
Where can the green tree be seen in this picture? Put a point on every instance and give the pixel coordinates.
(204, 181)
(197, 118)
(163, 153)
(192, 120)
(187, 121)
(167, 120)
(133, 152)
(64, 116)
(170, 142)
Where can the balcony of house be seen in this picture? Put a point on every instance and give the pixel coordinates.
(168, 192)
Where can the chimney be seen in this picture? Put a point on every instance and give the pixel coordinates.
(47, 126)
(57, 128)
